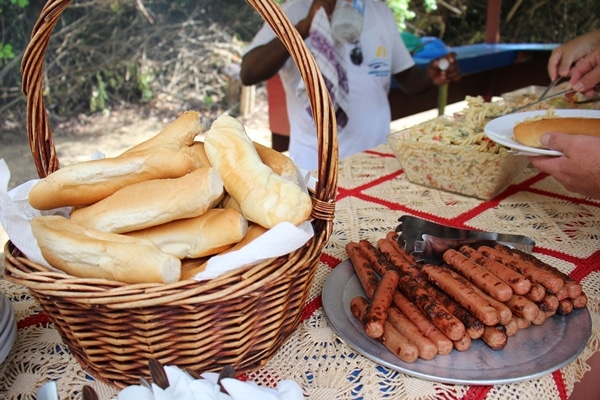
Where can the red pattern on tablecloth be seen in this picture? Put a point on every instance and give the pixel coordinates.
(33, 320)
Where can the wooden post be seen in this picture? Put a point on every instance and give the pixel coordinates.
(492, 26)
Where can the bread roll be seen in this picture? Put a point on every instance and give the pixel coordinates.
(154, 202)
(181, 132)
(192, 267)
(281, 164)
(210, 233)
(88, 182)
(529, 132)
(264, 197)
(88, 253)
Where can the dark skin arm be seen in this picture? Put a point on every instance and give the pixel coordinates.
(415, 80)
(265, 61)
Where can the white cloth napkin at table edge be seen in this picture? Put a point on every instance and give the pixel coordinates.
(330, 57)
(183, 387)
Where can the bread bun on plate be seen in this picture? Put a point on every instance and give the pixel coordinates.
(529, 131)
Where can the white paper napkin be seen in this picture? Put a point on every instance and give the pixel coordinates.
(282, 239)
(15, 213)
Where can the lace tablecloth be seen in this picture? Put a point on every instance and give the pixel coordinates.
(373, 194)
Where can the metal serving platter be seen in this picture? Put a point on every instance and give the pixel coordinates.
(531, 353)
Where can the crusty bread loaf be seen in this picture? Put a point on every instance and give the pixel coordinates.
(529, 132)
(181, 132)
(281, 164)
(192, 267)
(88, 182)
(208, 234)
(154, 202)
(88, 253)
(230, 202)
(198, 148)
(264, 197)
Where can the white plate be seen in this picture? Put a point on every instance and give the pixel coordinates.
(8, 327)
(5, 331)
(6, 311)
(531, 353)
(7, 345)
(500, 129)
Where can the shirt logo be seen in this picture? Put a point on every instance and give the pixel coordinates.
(379, 66)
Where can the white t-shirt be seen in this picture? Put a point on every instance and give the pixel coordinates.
(384, 54)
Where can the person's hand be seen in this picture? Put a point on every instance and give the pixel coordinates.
(304, 25)
(578, 170)
(444, 69)
(586, 73)
(563, 57)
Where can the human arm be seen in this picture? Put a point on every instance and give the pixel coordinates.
(263, 62)
(416, 80)
(578, 170)
(564, 56)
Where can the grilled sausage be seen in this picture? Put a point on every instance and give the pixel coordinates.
(580, 301)
(523, 307)
(380, 304)
(536, 293)
(391, 338)
(573, 287)
(551, 282)
(565, 307)
(464, 295)
(512, 327)
(427, 349)
(412, 312)
(549, 303)
(463, 344)
(518, 283)
(439, 315)
(481, 277)
(366, 275)
(495, 337)
(473, 326)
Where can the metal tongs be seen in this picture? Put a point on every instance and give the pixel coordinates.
(545, 96)
(427, 240)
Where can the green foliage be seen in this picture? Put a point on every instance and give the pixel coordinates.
(99, 95)
(6, 53)
(6, 7)
(401, 10)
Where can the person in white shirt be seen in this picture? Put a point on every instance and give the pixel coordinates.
(379, 55)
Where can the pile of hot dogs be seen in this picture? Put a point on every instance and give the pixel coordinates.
(487, 293)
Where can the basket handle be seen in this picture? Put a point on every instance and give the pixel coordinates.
(39, 132)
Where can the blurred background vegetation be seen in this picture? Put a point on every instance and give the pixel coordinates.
(182, 54)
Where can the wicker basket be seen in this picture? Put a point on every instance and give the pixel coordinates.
(239, 319)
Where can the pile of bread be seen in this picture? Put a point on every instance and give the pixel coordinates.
(156, 212)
